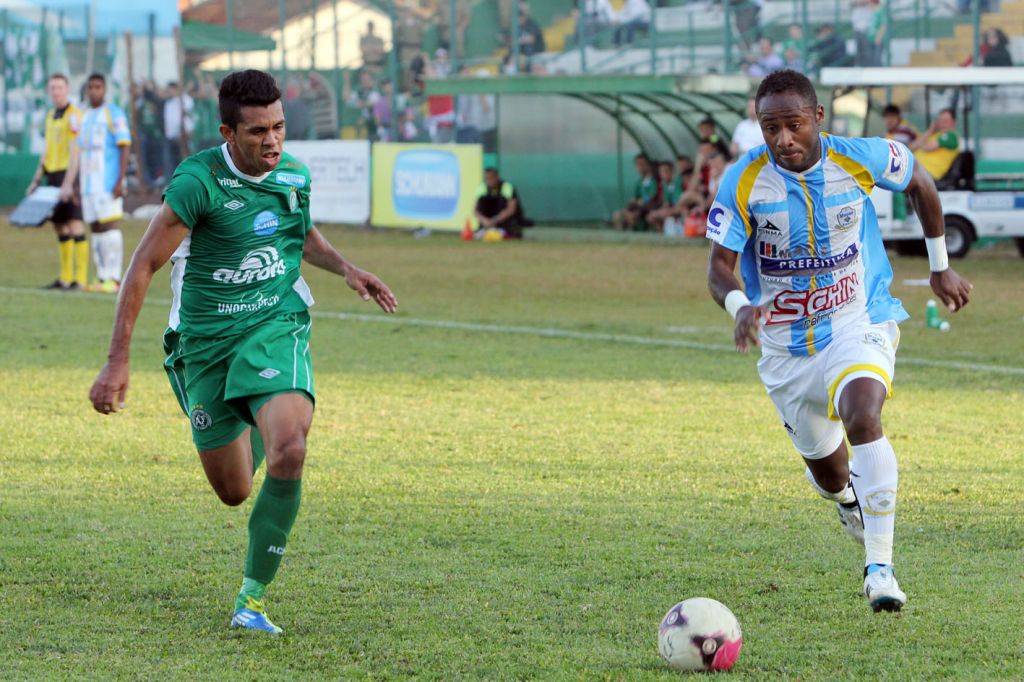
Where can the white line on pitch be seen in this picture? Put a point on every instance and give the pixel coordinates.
(543, 332)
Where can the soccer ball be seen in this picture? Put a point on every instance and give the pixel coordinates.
(700, 634)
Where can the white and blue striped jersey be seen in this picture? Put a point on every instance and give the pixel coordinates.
(809, 242)
(104, 131)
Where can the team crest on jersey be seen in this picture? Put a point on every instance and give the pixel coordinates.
(293, 201)
(201, 419)
(293, 179)
(846, 217)
(265, 223)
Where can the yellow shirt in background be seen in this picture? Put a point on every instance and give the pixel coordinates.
(62, 128)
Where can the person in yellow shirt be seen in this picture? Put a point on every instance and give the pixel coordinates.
(63, 122)
(938, 147)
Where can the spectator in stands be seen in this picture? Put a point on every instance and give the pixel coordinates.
(747, 134)
(860, 20)
(418, 66)
(646, 197)
(995, 48)
(792, 60)
(178, 126)
(748, 21)
(591, 17)
(671, 192)
(684, 168)
(382, 111)
(531, 37)
(364, 98)
(475, 115)
(443, 11)
(441, 118)
(939, 145)
(634, 16)
(371, 46)
(408, 35)
(410, 131)
(150, 116)
(877, 33)
(442, 68)
(794, 39)
(829, 49)
(703, 186)
(896, 128)
(765, 62)
(499, 206)
(296, 110)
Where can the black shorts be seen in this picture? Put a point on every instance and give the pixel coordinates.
(65, 210)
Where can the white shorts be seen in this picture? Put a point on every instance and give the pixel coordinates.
(102, 207)
(806, 390)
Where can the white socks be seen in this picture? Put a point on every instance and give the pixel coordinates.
(874, 476)
(108, 254)
(844, 496)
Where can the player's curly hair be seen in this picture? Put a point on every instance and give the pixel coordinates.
(787, 80)
(249, 88)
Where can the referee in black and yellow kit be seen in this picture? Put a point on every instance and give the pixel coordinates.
(63, 122)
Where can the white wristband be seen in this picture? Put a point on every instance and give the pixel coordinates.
(735, 300)
(938, 259)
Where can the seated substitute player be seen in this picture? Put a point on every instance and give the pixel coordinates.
(235, 224)
(796, 213)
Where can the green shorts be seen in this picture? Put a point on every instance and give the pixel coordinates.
(220, 383)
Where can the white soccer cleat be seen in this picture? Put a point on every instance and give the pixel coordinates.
(883, 592)
(851, 520)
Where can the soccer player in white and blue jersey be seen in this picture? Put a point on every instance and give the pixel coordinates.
(796, 213)
(105, 141)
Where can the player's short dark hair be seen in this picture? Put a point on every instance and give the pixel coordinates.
(707, 121)
(787, 80)
(491, 169)
(58, 77)
(97, 77)
(249, 88)
(891, 109)
(947, 110)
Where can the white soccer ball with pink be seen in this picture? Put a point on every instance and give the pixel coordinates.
(700, 634)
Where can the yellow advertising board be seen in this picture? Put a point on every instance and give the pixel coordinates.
(426, 185)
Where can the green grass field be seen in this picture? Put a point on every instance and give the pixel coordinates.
(549, 446)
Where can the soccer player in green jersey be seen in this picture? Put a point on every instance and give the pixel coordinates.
(235, 224)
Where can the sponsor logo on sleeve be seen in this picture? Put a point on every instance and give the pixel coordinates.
(897, 161)
(719, 220)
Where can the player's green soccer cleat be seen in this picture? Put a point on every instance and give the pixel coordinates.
(253, 617)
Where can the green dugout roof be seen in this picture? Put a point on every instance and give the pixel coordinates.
(657, 112)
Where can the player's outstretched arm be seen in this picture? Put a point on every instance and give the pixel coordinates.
(726, 291)
(164, 235)
(952, 289)
(319, 252)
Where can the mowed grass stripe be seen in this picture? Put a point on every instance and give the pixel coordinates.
(549, 332)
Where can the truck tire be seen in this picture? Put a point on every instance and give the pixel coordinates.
(1020, 245)
(959, 236)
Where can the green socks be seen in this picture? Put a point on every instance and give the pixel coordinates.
(258, 453)
(251, 589)
(269, 524)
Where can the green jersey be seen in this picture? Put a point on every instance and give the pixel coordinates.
(239, 265)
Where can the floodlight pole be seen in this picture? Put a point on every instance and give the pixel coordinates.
(231, 35)
(282, 18)
(453, 36)
(515, 38)
(393, 71)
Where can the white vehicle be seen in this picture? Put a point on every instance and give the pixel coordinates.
(976, 205)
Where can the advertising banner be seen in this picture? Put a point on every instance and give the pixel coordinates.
(340, 170)
(424, 185)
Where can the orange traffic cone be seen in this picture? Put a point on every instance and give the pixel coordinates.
(467, 231)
